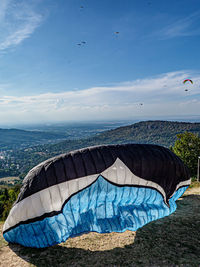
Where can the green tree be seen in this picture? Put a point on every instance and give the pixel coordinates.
(3, 199)
(187, 147)
(7, 198)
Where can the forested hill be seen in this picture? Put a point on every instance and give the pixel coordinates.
(150, 132)
(20, 161)
(145, 132)
(16, 139)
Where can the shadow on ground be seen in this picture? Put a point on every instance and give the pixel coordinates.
(171, 241)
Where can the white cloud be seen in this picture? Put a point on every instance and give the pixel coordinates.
(188, 26)
(18, 20)
(162, 95)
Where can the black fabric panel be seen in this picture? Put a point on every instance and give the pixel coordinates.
(132, 154)
(100, 163)
(70, 170)
(78, 164)
(150, 162)
(59, 170)
(108, 155)
(88, 162)
(170, 184)
(160, 159)
(50, 174)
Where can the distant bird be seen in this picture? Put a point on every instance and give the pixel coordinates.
(81, 7)
(83, 42)
(116, 32)
(186, 90)
(79, 44)
(141, 104)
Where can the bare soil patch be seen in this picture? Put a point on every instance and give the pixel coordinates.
(10, 180)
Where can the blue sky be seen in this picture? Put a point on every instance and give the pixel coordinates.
(46, 76)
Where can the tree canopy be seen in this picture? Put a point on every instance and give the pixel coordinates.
(187, 147)
(7, 198)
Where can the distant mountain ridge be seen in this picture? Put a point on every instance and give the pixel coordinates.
(34, 135)
(144, 132)
(16, 138)
(151, 132)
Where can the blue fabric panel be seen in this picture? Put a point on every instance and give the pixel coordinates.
(101, 208)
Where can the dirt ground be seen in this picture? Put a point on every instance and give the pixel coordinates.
(171, 241)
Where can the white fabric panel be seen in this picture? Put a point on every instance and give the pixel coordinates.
(132, 179)
(47, 200)
(36, 203)
(64, 191)
(184, 183)
(82, 183)
(128, 178)
(52, 198)
(73, 186)
(90, 178)
(55, 197)
(121, 173)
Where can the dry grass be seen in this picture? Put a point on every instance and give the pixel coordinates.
(3, 243)
(171, 241)
(9, 179)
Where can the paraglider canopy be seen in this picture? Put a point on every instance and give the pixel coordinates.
(100, 189)
(188, 80)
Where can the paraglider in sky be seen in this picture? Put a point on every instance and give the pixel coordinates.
(188, 80)
(82, 43)
(101, 189)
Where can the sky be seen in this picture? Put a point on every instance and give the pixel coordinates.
(82, 60)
